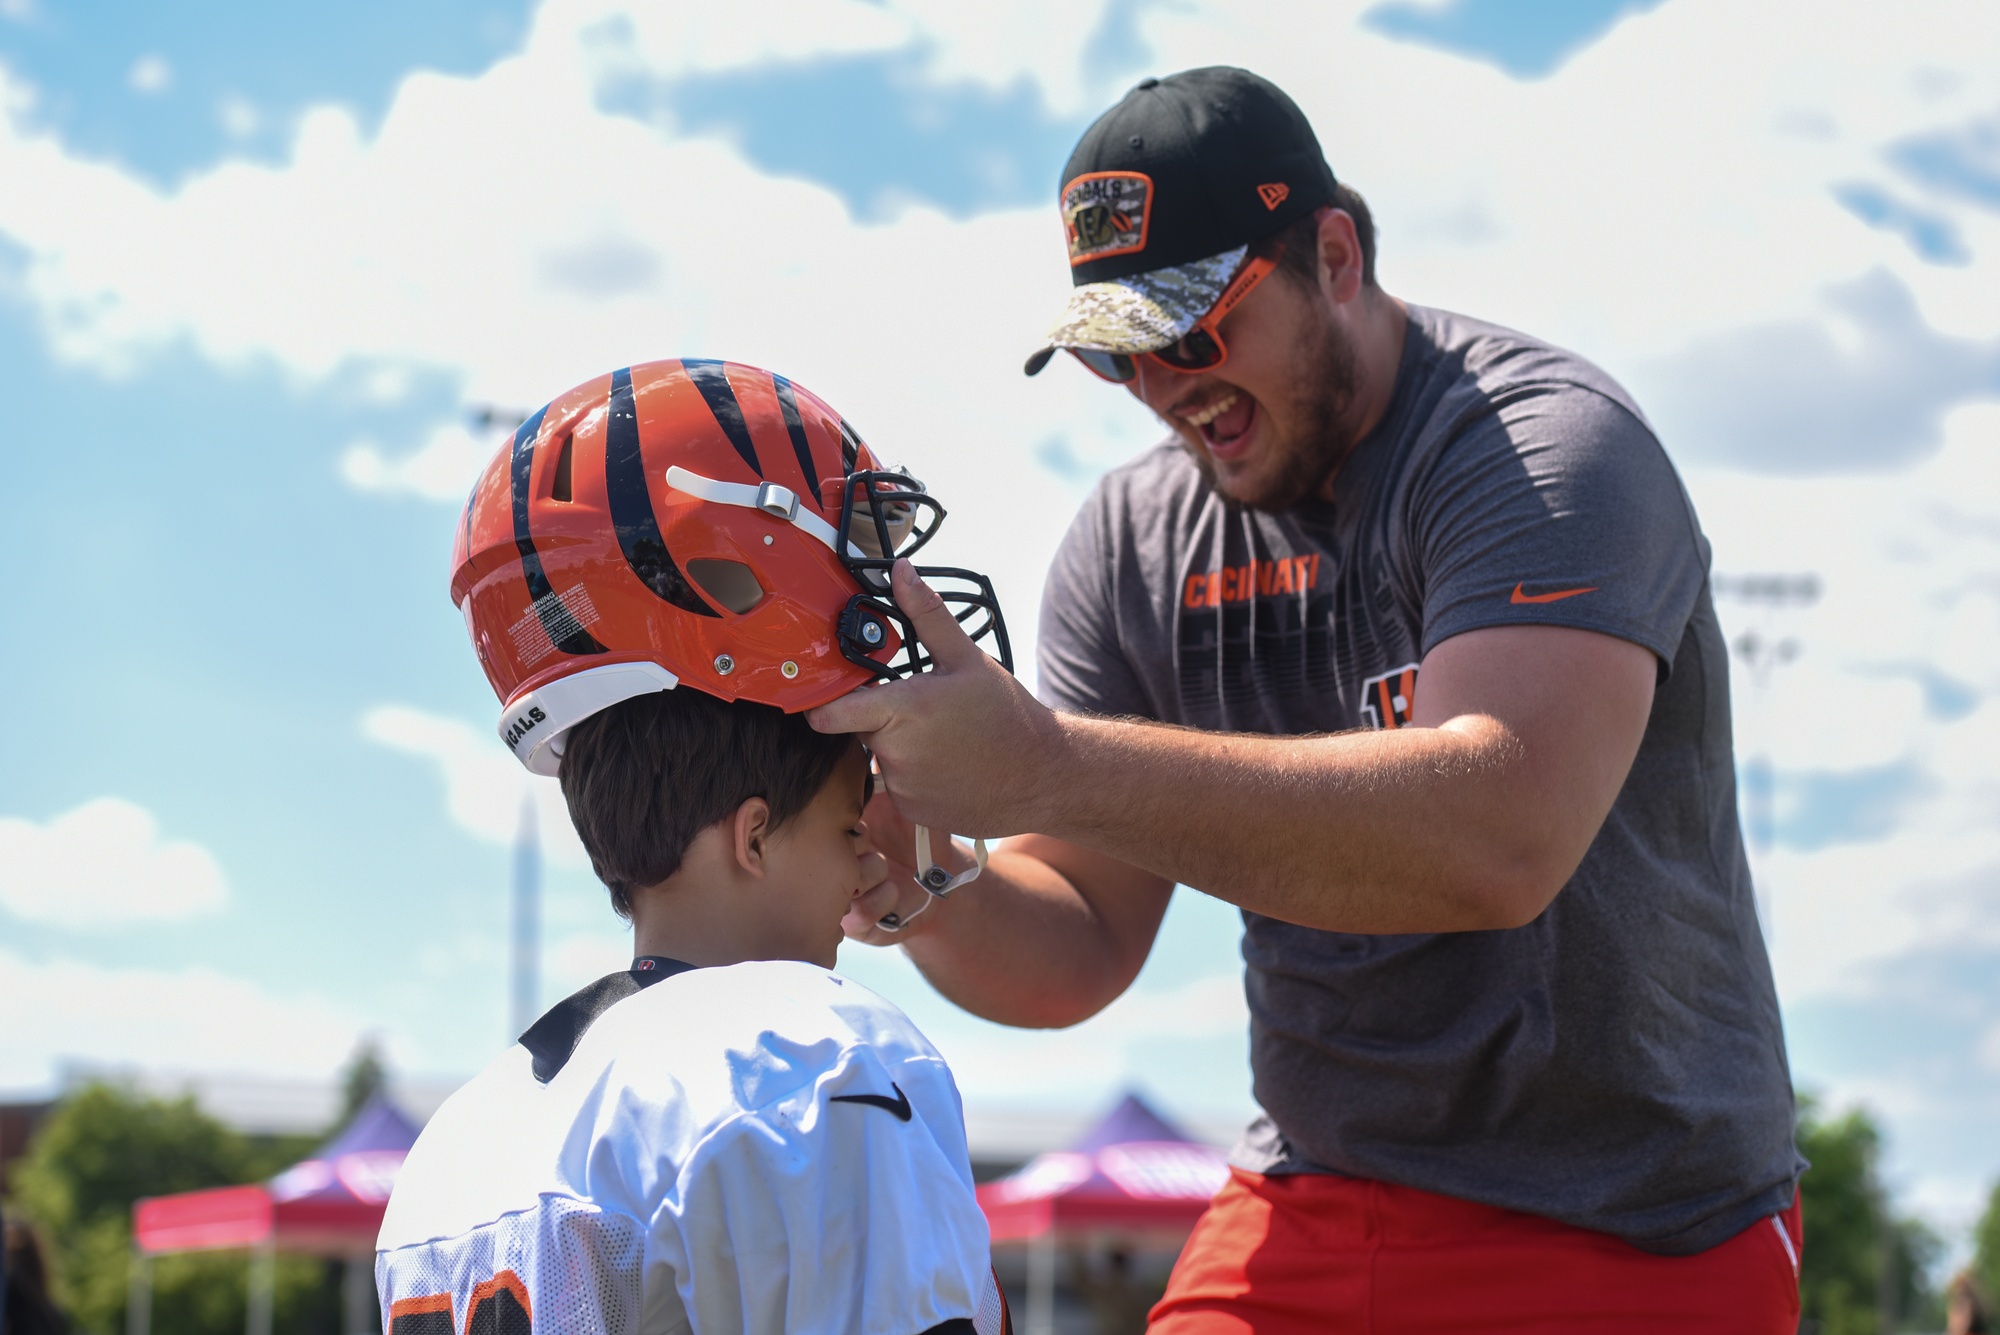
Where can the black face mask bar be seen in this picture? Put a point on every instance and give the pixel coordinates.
(886, 517)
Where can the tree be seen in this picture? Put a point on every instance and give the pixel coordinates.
(1986, 1245)
(1861, 1262)
(104, 1147)
(366, 1076)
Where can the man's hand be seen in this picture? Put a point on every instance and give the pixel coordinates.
(893, 839)
(961, 748)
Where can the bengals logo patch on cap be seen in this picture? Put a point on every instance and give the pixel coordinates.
(1105, 214)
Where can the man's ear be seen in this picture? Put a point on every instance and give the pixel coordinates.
(1340, 264)
(750, 835)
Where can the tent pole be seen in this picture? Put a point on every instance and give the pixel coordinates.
(263, 1264)
(1042, 1282)
(357, 1294)
(139, 1297)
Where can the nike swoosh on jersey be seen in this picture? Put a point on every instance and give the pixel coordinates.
(1557, 596)
(900, 1105)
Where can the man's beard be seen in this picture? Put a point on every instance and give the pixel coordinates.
(1317, 435)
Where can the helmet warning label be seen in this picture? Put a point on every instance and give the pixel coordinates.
(553, 616)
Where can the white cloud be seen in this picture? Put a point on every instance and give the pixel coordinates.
(192, 1019)
(104, 863)
(239, 117)
(150, 75)
(485, 786)
(1911, 572)
(441, 469)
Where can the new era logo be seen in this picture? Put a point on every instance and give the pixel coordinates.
(1273, 194)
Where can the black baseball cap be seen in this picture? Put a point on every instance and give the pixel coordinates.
(1164, 195)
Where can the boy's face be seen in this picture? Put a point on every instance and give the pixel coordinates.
(818, 863)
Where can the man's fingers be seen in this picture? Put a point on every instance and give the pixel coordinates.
(868, 709)
(936, 626)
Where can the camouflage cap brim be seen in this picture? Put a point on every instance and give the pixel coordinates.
(1146, 311)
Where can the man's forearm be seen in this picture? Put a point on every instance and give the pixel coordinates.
(1406, 831)
(1024, 945)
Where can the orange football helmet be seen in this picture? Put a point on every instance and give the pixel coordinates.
(691, 523)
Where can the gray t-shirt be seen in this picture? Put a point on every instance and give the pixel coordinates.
(1618, 1063)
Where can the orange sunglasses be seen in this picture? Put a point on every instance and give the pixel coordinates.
(1201, 348)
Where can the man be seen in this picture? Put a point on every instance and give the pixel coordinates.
(1429, 612)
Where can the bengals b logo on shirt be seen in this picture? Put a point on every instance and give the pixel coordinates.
(1389, 700)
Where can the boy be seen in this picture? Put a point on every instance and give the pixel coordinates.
(659, 572)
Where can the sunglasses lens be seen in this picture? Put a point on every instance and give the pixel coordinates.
(1196, 352)
(1113, 366)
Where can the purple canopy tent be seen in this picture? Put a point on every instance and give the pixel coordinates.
(1135, 1175)
(328, 1205)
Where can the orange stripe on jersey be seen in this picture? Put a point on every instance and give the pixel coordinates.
(427, 1315)
(499, 1307)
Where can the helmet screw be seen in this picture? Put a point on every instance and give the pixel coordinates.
(871, 631)
(724, 664)
(768, 540)
(790, 669)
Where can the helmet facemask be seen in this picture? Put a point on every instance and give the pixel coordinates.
(887, 516)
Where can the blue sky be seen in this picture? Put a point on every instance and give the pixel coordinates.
(258, 269)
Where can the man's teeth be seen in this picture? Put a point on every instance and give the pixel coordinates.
(1203, 416)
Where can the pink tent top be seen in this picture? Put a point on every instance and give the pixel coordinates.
(332, 1202)
(1134, 1172)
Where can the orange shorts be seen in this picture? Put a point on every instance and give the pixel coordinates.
(1316, 1253)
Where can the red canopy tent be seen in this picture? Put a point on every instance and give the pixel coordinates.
(328, 1205)
(1135, 1173)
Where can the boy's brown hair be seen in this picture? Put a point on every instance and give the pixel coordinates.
(645, 776)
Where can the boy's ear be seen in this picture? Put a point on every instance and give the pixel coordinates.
(750, 835)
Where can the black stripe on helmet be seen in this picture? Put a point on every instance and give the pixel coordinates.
(713, 382)
(850, 446)
(632, 504)
(563, 629)
(795, 427)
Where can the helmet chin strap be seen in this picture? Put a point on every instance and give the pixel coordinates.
(936, 881)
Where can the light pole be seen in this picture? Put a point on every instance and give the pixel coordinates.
(1763, 649)
(526, 973)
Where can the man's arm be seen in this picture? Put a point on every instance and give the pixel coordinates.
(1050, 934)
(1471, 818)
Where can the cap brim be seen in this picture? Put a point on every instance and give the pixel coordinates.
(1142, 312)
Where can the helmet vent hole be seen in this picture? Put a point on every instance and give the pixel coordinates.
(730, 583)
(560, 491)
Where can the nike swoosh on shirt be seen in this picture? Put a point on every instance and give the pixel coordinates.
(1557, 596)
(900, 1105)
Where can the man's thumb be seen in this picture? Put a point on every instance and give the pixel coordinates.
(939, 630)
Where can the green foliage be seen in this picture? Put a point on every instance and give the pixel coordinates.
(364, 1078)
(105, 1147)
(1986, 1245)
(1857, 1256)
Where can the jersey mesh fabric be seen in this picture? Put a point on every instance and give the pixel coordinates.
(788, 1150)
(991, 1319)
(580, 1266)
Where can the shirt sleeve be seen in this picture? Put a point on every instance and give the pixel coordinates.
(1558, 508)
(1080, 663)
(847, 1207)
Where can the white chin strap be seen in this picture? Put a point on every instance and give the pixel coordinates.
(936, 881)
(774, 500)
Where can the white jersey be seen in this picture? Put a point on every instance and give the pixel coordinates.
(762, 1148)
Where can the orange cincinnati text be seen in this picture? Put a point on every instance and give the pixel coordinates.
(1239, 584)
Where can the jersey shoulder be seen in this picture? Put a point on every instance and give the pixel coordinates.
(1492, 361)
